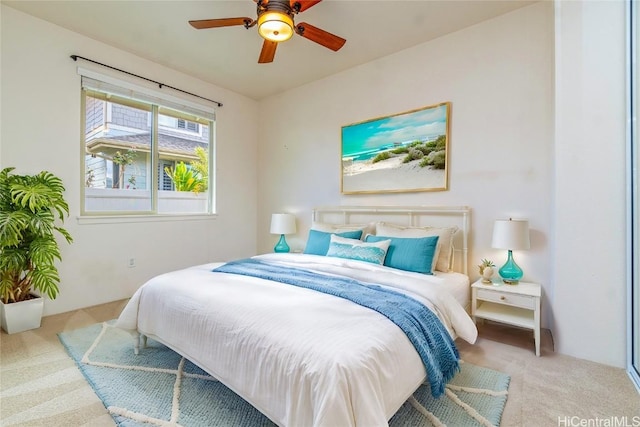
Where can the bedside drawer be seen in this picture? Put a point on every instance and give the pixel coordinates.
(504, 298)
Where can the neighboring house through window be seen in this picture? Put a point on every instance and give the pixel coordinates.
(142, 155)
(183, 124)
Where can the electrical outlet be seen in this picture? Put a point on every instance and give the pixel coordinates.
(132, 262)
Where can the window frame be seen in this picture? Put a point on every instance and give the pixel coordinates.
(633, 192)
(157, 107)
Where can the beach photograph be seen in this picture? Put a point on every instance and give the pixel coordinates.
(404, 152)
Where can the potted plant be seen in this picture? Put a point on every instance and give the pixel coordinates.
(30, 206)
(486, 270)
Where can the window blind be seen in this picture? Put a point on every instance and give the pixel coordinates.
(173, 105)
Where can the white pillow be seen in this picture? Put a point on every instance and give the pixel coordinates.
(444, 252)
(374, 252)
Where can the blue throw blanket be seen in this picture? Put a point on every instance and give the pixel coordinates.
(425, 331)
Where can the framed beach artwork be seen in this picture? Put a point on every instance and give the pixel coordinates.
(404, 152)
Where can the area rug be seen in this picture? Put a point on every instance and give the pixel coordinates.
(159, 387)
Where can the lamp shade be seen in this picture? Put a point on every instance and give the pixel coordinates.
(275, 26)
(282, 223)
(512, 234)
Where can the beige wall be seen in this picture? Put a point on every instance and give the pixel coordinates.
(511, 154)
(498, 75)
(41, 130)
(589, 294)
(537, 132)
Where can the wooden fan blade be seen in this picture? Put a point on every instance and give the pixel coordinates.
(304, 4)
(268, 52)
(216, 23)
(319, 36)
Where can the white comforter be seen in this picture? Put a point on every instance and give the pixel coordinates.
(301, 357)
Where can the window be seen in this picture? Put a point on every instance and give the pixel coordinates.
(144, 155)
(191, 126)
(164, 180)
(171, 123)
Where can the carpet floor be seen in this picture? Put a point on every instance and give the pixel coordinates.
(160, 387)
(40, 385)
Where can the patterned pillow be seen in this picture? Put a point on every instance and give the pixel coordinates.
(341, 247)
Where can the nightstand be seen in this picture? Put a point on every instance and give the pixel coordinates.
(517, 305)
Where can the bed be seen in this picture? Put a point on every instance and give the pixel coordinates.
(305, 357)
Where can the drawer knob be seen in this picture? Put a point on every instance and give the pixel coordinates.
(502, 298)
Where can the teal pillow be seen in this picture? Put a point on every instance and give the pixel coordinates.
(408, 253)
(318, 241)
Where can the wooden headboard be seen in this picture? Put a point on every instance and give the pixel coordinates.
(413, 216)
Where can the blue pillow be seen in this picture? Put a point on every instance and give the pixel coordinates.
(409, 254)
(318, 241)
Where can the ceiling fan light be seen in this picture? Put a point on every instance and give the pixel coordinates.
(275, 26)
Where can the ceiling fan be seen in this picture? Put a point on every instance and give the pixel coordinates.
(275, 24)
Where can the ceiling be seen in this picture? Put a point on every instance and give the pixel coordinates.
(228, 57)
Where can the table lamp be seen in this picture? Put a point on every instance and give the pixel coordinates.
(282, 223)
(511, 234)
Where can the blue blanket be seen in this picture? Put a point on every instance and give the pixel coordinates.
(425, 331)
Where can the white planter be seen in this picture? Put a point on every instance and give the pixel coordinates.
(487, 274)
(22, 316)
